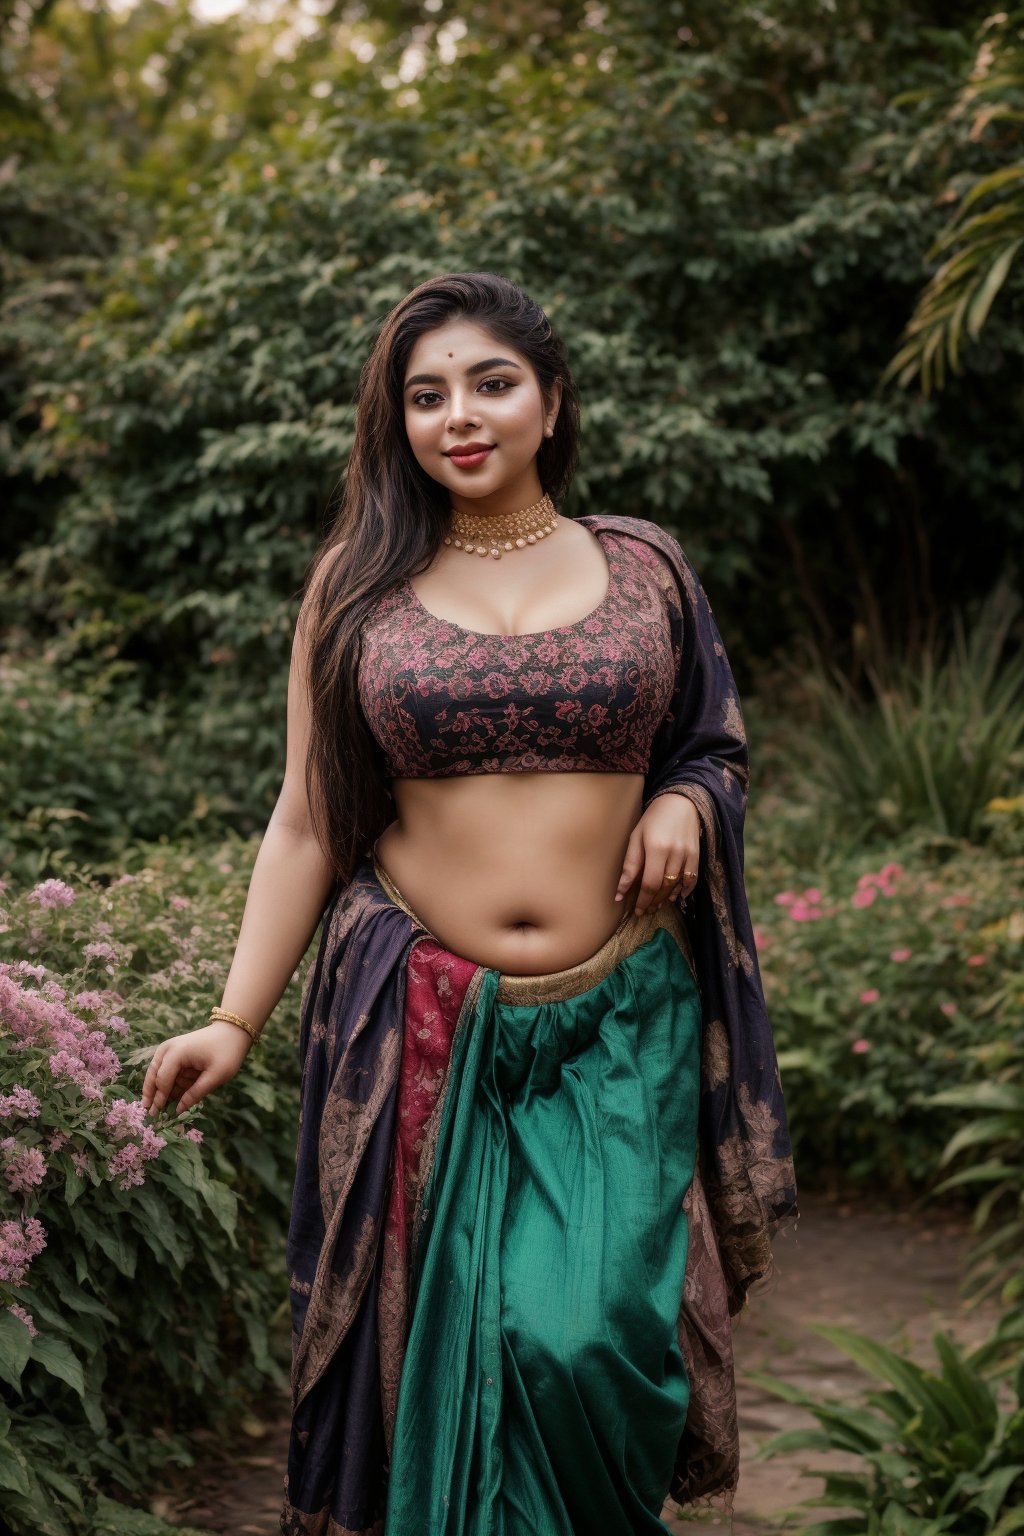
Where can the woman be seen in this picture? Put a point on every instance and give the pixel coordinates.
(542, 1145)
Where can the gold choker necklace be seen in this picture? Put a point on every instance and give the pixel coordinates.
(509, 530)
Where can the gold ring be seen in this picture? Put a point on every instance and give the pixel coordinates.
(691, 874)
(669, 879)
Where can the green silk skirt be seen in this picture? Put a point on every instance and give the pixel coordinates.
(543, 1391)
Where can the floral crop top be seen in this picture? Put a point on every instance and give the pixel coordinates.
(442, 700)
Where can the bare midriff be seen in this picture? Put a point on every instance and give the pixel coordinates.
(516, 871)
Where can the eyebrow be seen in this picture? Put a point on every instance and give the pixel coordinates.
(438, 378)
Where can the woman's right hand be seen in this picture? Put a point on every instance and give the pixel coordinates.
(187, 1067)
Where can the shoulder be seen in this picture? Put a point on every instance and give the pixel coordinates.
(653, 545)
(318, 575)
(637, 530)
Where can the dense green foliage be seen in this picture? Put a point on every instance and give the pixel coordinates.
(724, 210)
(928, 742)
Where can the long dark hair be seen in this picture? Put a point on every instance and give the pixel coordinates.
(389, 525)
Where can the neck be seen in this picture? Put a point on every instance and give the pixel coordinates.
(519, 493)
(536, 511)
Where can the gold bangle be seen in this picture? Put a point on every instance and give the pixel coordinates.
(236, 1018)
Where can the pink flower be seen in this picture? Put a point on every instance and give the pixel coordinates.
(899, 955)
(785, 898)
(179, 903)
(20, 1101)
(20, 1243)
(891, 871)
(975, 959)
(125, 1118)
(863, 898)
(52, 893)
(100, 951)
(152, 1142)
(860, 1046)
(800, 912)
(26, 1317)
(948, 1008)
(194, 1134)
(26, 1168)
(870, 995)
(92, 1001)
(812, 894)
(126, 1166)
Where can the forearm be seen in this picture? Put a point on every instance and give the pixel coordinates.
(288, 891)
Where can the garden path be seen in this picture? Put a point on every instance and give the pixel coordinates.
(893, 1274)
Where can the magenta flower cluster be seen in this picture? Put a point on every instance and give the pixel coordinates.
(63, 1038)
(809, 905)
(20, 1243)
(52, 893)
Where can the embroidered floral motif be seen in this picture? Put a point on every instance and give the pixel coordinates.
(436, 985)
(442, 700)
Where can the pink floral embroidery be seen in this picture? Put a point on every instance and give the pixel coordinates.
(442, 700)
(436, 983)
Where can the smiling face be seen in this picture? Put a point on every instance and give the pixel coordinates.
(462, 386)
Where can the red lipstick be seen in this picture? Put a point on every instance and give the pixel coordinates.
(468, 454)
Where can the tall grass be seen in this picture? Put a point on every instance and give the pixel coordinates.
(939, 735)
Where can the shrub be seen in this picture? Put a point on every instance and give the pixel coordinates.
(938, 1453)
(93, 766)
(936, 741)
(888, 980)
(142, 1261)
(990, 1148)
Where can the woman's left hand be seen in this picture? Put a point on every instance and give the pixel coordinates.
(665, 841)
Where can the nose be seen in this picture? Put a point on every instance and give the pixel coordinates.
(460, 413)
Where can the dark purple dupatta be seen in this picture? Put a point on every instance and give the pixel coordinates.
(350, 1047)
(700, 750)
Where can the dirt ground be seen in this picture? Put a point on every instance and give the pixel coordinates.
(891, 1274)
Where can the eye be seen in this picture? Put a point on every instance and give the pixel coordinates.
(430, 397)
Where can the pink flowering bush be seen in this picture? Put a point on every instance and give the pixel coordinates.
(888, 977)
(141, 1258)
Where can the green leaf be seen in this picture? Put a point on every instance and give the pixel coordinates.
(223, 1204)
(56, 1357)
(68, 1488)
(792, 1440)
(74, 1185)
(907, 1377)
(979, 1408)
(113, 1519)
(997, 1485)
(13, 1471)
(15, 1347)
(110, 1240)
